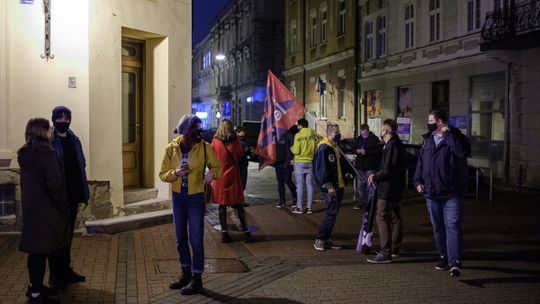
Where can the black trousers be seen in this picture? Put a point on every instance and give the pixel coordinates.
(284, 177)
(60, 259)
(241, 216)
(36, 264)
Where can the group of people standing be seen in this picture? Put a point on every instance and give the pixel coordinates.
(53, 184)
(441, 176)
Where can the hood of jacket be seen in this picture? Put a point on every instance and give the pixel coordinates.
(30, 155)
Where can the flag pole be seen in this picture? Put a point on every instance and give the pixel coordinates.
(317, 123)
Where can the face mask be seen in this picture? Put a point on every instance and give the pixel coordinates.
(431, 127)
(337, 137)
(61, 127)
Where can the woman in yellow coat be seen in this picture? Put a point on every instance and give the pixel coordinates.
(184, 166)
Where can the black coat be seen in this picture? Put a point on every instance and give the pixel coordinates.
(390, 177)
(372, 157)
(284, 155)
(443, 169)
(45, 207)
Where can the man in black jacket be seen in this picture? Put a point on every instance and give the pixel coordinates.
(284, 166)
(368, 157)
(72, 164)
(441, 175)
(390, 180)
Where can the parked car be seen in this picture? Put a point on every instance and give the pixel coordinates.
(252, 129)
(348, 147)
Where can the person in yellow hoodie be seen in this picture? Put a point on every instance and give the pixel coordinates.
(184, 166)
(303, 149)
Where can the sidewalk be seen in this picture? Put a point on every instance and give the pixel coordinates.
(501, 264)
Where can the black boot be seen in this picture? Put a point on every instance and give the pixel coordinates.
(194, 287)
(225, 237)
(247, 237)
(43, 299)
(183, 280)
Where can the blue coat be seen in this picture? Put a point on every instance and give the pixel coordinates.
(57, 146)
(443, 169)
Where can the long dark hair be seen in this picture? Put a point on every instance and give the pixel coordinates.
(36, 132)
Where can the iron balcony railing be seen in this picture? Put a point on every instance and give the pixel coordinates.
(517, 19)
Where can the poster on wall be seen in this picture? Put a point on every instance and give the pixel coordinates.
(404, 129)
(374, 124)
(374, 103)
(405, 101)
(459, 122)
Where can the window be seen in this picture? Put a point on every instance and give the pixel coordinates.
(293, 38)
(341, 97)
(368, 7)
(488, 103)
(409, 26)
(342, 11)
(434, 20)
(368, 44)
(440, 95)
(473, 15)
(324, 25)
(500, 5)
(381, 36)
(293, 87)
(313, 30)
(380, 4)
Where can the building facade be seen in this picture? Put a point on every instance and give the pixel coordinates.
(319, 60)
(230, 65)
(423, 55)
(121, 66)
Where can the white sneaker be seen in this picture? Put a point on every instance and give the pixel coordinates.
(308, 211)
(296, 210)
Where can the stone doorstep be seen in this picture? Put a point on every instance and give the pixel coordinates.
(138, 195)
(8, 220)
(128, 222)
(149, 205)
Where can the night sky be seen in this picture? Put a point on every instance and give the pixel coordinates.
(204, 12)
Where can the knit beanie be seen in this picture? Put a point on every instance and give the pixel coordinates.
(58, 111)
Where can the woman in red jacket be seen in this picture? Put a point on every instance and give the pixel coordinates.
(228, 190)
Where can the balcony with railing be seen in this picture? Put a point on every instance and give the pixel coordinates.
(515, 27)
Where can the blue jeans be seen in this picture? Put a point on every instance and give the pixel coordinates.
(188, 213)
(302, 170)
(333, 203)
(446, 216)
(362, 187)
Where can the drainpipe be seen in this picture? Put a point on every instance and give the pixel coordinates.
(356, 68)
(304, 76)
(508, 125)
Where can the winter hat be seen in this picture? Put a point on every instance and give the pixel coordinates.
(185, 123)
(58, 111)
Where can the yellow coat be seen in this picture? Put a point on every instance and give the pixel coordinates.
(171, 161)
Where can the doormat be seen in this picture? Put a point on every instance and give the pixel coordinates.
(170, 266)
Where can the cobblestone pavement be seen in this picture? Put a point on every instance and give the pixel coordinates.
(501, 263)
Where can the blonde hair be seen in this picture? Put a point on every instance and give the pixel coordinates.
(332, 127)
(225, 131)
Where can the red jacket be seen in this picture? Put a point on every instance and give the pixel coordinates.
(228, 189)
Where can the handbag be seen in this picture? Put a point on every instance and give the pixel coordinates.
(207, 187)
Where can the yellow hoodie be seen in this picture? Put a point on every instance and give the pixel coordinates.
(171, 160)
(304, 146)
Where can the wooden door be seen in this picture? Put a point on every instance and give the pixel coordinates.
(132, 106)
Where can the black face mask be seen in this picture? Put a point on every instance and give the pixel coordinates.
(337, 137)
(61, 127)
(431, 127)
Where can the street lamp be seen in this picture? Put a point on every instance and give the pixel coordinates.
(220, 57)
